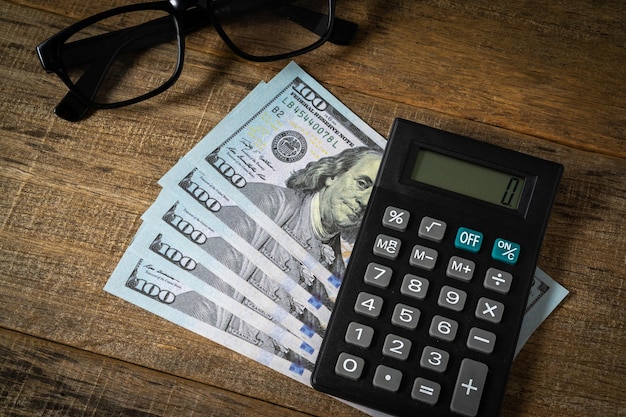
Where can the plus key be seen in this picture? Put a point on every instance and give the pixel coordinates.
(469, 388)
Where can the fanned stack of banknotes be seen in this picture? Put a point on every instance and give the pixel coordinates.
(248, 241)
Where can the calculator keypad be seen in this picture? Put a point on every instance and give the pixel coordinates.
(457, 271)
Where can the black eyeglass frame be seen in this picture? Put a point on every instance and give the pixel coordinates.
(51, 51)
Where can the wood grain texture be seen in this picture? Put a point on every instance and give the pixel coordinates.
(44, 377)
(546, 79)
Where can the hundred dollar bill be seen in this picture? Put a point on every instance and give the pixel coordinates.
(202, 270)
(145, 284)
(300, 164)
(545, 295)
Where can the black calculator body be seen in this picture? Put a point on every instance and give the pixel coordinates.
(427, 318)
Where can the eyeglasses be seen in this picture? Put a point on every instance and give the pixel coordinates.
(132, 53)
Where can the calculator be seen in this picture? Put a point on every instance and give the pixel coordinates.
(427, 318)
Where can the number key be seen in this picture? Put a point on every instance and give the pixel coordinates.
(349, 366)
(368, 304)
(443, 328)
(397, 347)
(377, 275)
(452, 298)
(414, 286)
(359, 334)
(405, 316)
(434, 359)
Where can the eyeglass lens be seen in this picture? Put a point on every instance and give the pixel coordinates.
(124, 65)
(273, 27)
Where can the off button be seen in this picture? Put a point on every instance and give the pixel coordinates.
(468, 239)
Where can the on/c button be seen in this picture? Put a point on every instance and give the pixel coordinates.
(468, 239)
(505, 251)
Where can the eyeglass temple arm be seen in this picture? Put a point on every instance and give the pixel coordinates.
(71, 108)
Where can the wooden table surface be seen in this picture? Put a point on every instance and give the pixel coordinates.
(545, 78)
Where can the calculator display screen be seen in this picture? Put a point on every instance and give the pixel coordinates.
(468, 179)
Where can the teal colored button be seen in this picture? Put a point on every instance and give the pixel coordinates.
(505, 251)
(468, 239)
